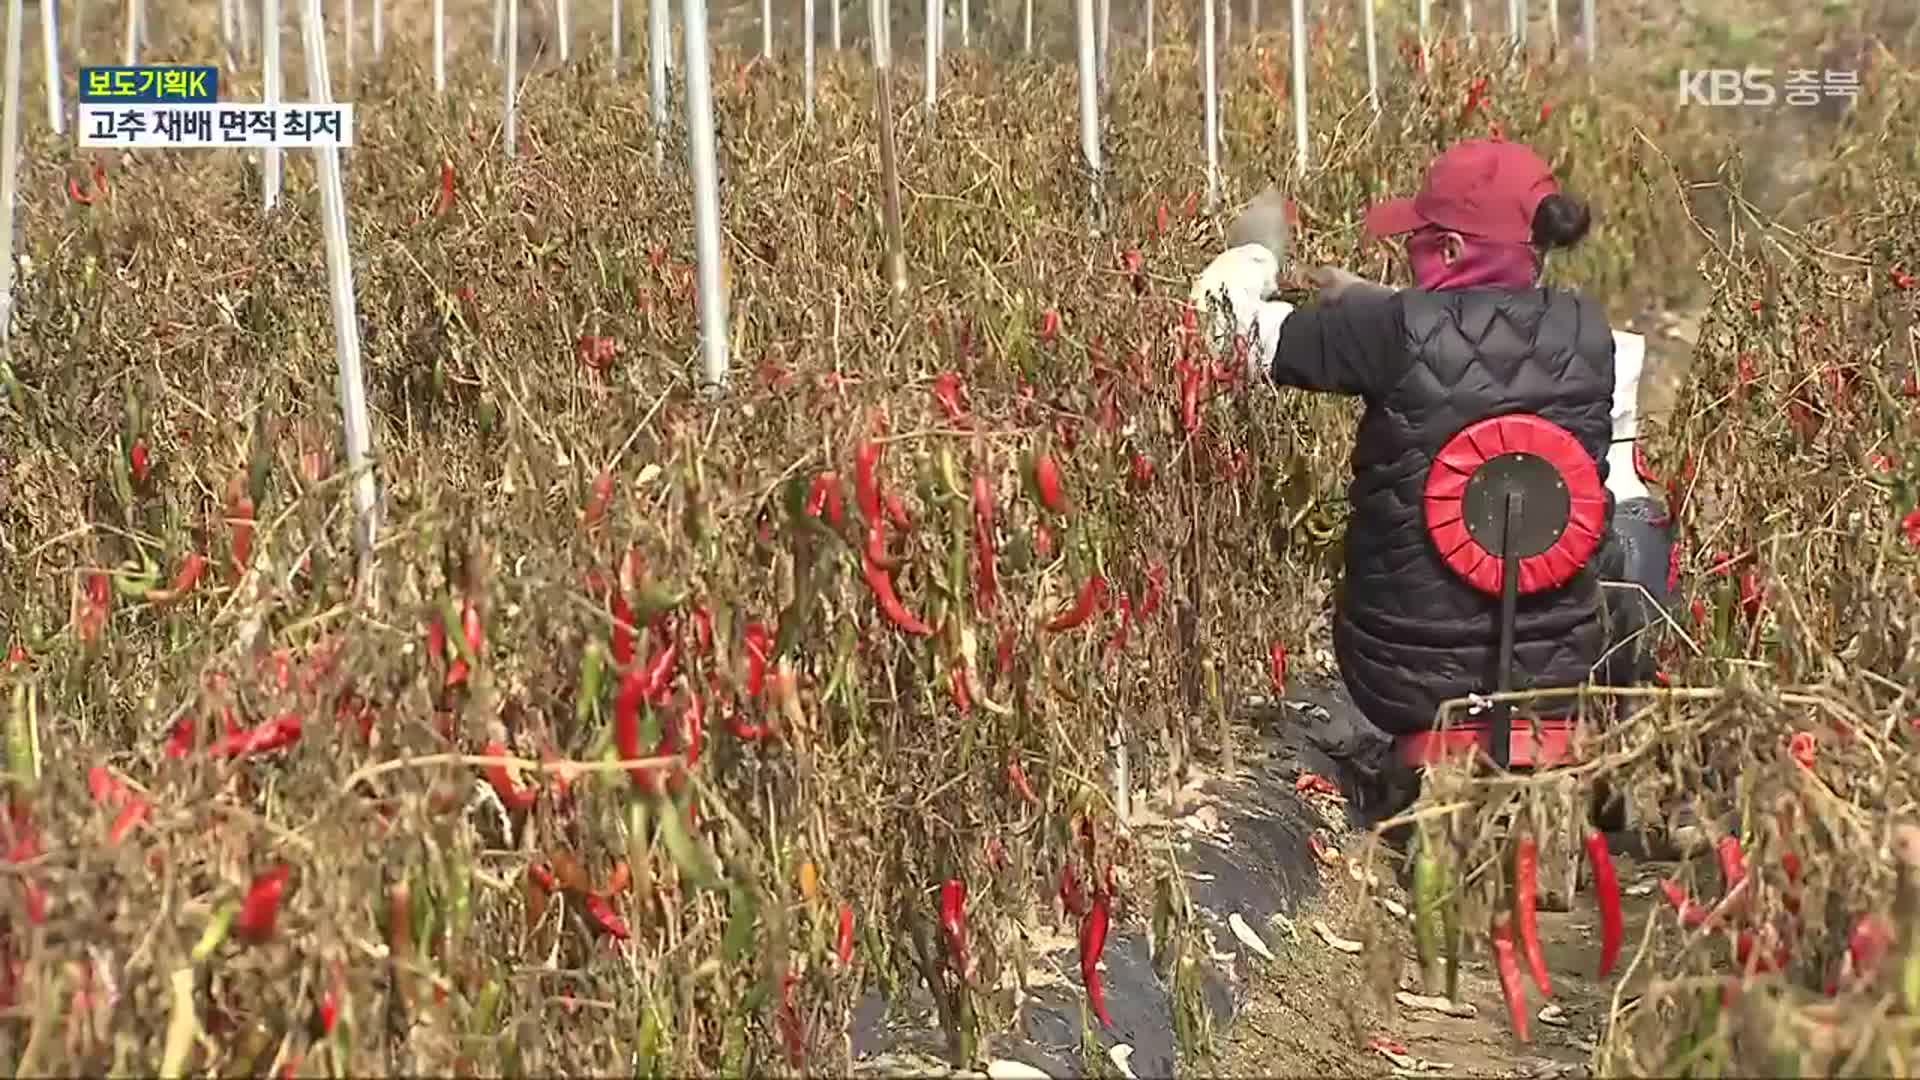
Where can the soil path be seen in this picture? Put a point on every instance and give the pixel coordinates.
(1287, 862)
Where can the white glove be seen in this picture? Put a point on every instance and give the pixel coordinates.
(1629, 357)
(1234, 298)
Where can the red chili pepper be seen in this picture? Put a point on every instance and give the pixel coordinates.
(759, 645)
(897, 512)
(1868, 943)
(824, 497)
(96, 603)
(1691, 914)
(1508, 965)
(986, 587)
(515, 796)
(634, 691)
(138, 463)
(1606, 886)
(262, 738)
(1017, 777)
(843, 941)
(622, 641)
(957, 689)
(1156, 585)
(950, 394)
(953, 923)
(240, 519)
(1758, 961)
(1046, 480)
(866, 481)
(1003, 652)
(1049, 326)
(1093, 942)
(743, 729)
(180, 741)
(792, 1033)
(186, 577)
(1526, 865)
(1277, 668)
(444, 200)
(99, 187)
(602, 916)
(1092, 594)
(260, 909)
(1073, 899)
(1733, 864)
(1043, 542)
(1192, 380)
(889, 601)
(599, 496)
(1142, 472)
(1117, 643)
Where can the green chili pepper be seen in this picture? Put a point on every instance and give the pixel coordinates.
(744, 912)
(20, 756)
(593, 671)
(696, 866)
(656, 599)
(647, 1053)
(216, 931)
(1427, 886)
(485, 1008)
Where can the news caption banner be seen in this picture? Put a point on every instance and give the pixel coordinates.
(1804, 87)
(169, 107)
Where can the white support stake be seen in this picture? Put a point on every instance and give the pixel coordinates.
(1226, 25)
(1085, 31)
(349, 31)
(833, 9)
(1587, 28)
(272, 169)
(509, 138)
(715, 348)
(1466, 19)
(766, 29)
(9, 162)
(807, 20)
(379, 28)
(226, 34)
(616, 31)
(1149, 35)
(1373, 54)
(1553, 22)
(1426, 29)
(50, 53)
(499, 31)
(346, 319)
(563, 12)
(130, 55)
(934, 16)
(657, 34)
(440, 48)
(1209, 27)
(1300, 85)
(966, 24)
(1027, 33)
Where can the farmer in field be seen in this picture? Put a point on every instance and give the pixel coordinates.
(1476, 337)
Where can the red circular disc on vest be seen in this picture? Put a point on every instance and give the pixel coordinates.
(1475, 445)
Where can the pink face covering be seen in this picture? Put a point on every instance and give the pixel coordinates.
(1483, 264)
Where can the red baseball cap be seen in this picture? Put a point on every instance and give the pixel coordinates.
(1480, 188)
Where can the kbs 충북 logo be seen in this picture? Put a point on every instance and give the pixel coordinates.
(1757, 87)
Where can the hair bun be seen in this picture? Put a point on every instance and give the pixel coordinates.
(1560, 222)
